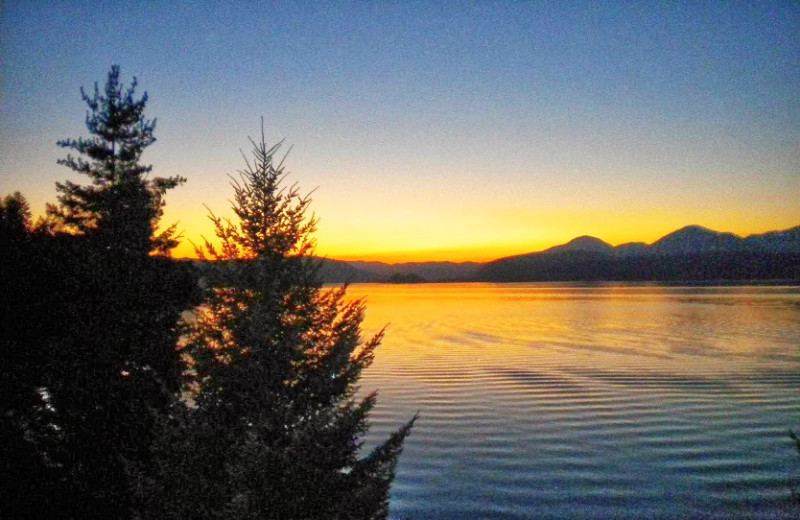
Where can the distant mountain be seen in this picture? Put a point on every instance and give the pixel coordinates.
(695, 239)
(631, 249)
(549, 266)
(786, 241)
(692, 253)
(337, 271)
(584, 243)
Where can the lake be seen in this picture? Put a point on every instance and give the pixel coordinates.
(600, 401)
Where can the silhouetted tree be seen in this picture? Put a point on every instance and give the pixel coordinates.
(121, 205)
(20, 466)
(15, 219)
(91, 330)
(273, 425)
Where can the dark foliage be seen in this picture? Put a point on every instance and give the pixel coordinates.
(273, 423)
(121, 201)
(15, 219)
(89, 325)
(89, 347)
(254, 413)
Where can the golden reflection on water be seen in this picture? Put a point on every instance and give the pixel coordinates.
(567, 401)
(687, 330)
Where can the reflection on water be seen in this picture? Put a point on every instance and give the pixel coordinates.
(564, 401)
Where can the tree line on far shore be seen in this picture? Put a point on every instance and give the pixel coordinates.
(114, 406)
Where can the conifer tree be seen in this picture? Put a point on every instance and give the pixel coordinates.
(275, 427)
(15, 219)
(122, 204)
(94, 326)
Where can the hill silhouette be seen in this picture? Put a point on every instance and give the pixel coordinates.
(692, 253)
(695, 239)
(584, 243)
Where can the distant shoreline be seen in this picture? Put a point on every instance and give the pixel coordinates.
(601, 283)
(692, 255)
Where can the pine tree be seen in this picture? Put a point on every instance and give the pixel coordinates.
(275, 425)
(121, 205)
(94, 327)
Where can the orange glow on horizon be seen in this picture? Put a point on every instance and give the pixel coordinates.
(482, 234)
(473, 251)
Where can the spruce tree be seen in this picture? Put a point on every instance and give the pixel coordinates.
(275, 424)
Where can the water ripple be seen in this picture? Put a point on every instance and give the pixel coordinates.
(641, 403)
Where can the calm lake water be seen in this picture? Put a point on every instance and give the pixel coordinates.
(603, 401)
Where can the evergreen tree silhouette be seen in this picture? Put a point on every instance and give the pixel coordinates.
(121, 205)
(274, 426)
(92, 330)
(15, 219)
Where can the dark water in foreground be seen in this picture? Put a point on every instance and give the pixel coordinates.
(612, 401)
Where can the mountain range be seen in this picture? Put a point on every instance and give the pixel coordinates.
(692, 253)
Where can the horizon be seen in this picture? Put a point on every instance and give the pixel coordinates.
(357, 258)
(433, 132)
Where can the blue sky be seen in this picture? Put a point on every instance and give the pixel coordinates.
(435, 130)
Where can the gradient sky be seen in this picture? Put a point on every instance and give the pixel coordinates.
(434, 130)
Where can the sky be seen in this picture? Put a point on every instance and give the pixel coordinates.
(433, 130)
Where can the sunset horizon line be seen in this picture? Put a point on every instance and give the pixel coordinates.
(489, 253)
